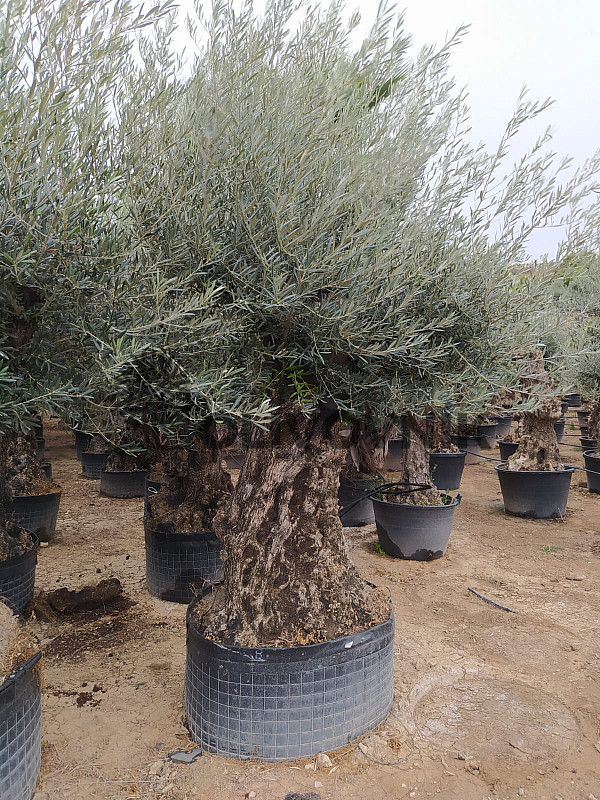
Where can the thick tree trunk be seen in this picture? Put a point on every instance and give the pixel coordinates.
(594, 423)
(194, 482)
(538, 446)
(23, 468)
(438, 435)
(367, 449)
(414, 466)
(288, 577)
(13, 540)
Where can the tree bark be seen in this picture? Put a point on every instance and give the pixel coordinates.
(13, 540)
(538, 446)
(594, 423)
(194, 482)
(414, 466)
(288, 577)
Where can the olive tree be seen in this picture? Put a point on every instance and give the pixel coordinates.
(59, 63)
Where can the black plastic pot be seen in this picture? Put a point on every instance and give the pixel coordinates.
(564, 407)
(583, 417)
(504, 424)
(393, 460)
(37, 513)
(419, 533)
(283, 703)
(17, 579)
(20, 732)
(471, 444)
(538, 495)
(123, 484)
(350, 492)
(446, 469)
(583, 430)
(235, 459)
(92, 464)
(587, 443)
(488, 435)
(81, 442)
(592, 463)
(507, 449)
(574, 400)
(47, 469)
(559, 429)
(41, 447)
(180, 565)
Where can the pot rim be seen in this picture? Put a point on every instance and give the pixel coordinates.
(464, 436)
(256, 654)
(589, 454)
(125, 472)
(30, 496)
(448, 455)
(455, 502)
(24, 556)
(20, 671)
(568, 468)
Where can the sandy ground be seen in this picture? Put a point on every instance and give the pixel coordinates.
(487, 705)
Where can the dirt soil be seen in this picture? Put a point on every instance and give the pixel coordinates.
(488, 704)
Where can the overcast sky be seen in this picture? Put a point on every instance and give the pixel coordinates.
(551, 46)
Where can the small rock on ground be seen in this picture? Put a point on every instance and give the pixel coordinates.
(305, 796)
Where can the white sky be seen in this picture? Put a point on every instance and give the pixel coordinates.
(551, 46)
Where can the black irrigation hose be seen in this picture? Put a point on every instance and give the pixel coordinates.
(500, 461)
(492, 602)
(387, 488)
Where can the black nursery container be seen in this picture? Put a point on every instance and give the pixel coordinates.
(574, 400)
(587, 443)
(354, 491)
(564, 407)
(17, 579)
(283, 703)
(20, 732)
(504, 424)
(507, 449)
(559, 429)
(393, 460)
(471, 445)
(583, 417)
(446, 469)
(151, 487)
(81, 442)
(592, 463)
(36, 513)
(92, 464)
(47, 470)
(418, 533)
(40, 447)
(584, 430)
(123, 484)
(538, 495)
(488, 433)
(180, 565)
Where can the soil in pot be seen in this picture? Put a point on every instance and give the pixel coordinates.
(20, 710)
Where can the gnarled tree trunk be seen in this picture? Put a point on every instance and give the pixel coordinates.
(594, 424)
(414, 465)
(13, 540)
(288, 577)
(538, 446)
(194, 482)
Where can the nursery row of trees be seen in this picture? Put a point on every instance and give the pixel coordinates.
(293, 242)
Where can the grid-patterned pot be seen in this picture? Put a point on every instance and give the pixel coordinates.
(92, 464)
(180, 565)
(20, 732)
(17, 579)
(282, 703)
(36, 513)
